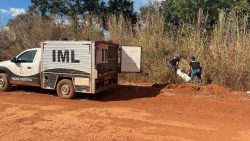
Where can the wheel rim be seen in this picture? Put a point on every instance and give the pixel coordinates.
(2, 83)
(65, 89)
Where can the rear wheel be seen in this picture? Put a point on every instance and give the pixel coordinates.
(65, 89)
(4, 82)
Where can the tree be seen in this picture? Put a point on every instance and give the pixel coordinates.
(65, 7)
(122, 7)
(212, 8)
(185, 11)
(178, 11)
(73, 10)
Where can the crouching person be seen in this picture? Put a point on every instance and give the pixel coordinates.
(196, 70)
(174, 62)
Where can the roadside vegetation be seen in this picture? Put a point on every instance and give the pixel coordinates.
(217, 34)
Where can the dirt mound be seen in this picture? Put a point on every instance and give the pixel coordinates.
(188, 88)
(191, 88)
(216, 89)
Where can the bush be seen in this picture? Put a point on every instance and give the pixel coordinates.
(223, 51)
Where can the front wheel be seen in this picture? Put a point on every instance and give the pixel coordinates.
(65, 89)
(4, 82)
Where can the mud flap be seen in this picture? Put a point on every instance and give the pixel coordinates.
(183, 75)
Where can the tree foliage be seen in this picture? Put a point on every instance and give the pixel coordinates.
(185, 11)
(122, 7)
(67, 8)
(79, 9)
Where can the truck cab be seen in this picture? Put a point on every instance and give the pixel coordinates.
(24, 69)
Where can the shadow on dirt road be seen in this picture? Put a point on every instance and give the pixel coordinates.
(124, 92)
(120, 93)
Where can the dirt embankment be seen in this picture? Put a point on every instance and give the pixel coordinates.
(185, 112)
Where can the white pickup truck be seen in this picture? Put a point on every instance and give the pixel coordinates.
(70, 67)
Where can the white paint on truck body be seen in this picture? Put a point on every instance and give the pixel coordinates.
(26, 68)
(67, 59)
(80, 50)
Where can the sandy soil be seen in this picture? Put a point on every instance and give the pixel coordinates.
(183, 112)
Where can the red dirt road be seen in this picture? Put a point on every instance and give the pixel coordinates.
(173, 113)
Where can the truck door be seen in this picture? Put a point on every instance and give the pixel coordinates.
(25, 68)
(131, 59)
(26, 63)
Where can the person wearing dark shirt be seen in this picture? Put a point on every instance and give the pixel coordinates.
(196, 69)
(174, 62)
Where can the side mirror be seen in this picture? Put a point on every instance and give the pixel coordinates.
(14, 60)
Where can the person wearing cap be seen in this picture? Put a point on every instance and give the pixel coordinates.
(174, 62)
(196, 70)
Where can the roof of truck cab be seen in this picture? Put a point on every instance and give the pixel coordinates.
(33, 49)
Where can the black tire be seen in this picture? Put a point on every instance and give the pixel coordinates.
(65, 89)
(4, 82)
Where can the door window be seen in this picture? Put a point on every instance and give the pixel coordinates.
(27, 57)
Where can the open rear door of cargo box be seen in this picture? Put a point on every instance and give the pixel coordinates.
(131, 59)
